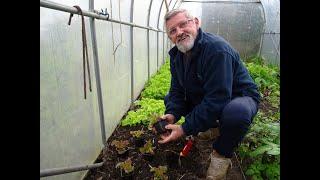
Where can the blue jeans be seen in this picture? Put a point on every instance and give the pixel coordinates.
(234, 123)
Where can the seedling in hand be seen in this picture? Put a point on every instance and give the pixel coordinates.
(160, 126)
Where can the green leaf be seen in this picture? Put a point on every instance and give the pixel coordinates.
(274, 151)
(126, 165)
(261, 150)
(250, 172)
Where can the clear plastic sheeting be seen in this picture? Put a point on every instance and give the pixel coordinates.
(114, 59)
(69, 124)
(252, 27)
(240, 24)
(119, 10)
(161, 17)
(173, 4)
(153, 52)
(271, 41)
(122, 13)
(115, 73)
(160, 50)
(81, 3)
(140, 60)
(140, 15)
(224, 1)
(140, 46)
(161, 35)
(165, 47)
(194, 8)
(154, 13)
(269, 50)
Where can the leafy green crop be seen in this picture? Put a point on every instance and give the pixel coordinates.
(267, 77)
(158, 85)
(151, 104)
(148, 108)
(260, 149)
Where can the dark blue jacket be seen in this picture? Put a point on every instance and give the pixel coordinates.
(215, 75)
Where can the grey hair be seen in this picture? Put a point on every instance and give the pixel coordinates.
(174, 12)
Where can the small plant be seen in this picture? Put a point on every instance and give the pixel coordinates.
(153, 120)
(126, 166)
(121, 146)
(147, 148)
(159, 172)
(137, 138)
(160, 126)
(137, 134)
(148, 107)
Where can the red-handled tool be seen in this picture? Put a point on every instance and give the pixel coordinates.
(187, 147)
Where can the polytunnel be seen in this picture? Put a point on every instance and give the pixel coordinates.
(97, 56)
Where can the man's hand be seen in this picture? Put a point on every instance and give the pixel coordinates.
(176, 132)
(169, 118)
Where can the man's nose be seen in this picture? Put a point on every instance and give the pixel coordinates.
(179, 31)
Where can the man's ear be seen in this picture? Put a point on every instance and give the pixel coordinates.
(197, 22)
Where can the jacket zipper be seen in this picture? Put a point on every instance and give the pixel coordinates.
(185, 76)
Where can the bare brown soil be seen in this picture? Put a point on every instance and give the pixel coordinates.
(193, 166)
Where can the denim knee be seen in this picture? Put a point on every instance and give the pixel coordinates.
(238, 113)
(234, 123)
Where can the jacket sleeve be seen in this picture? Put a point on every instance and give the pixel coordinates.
(175, 104)
(218, 80)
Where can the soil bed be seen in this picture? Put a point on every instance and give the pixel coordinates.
(193, 166)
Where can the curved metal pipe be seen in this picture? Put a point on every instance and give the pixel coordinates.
(131, 52)
(61, 7)
(175, 4)
(225, 2)
(148, 38)
(63, 170)
(97, 73)
(263, 29)
(158, 35)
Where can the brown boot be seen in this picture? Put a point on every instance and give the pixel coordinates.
(210, 134)
(218, 167)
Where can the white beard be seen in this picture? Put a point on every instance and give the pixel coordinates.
(186, 44)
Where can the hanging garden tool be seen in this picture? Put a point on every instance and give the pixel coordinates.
(84, 51)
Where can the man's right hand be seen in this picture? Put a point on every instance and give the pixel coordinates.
(169, 118)
(176, 132)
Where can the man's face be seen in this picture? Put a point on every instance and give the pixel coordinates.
(182, 31)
